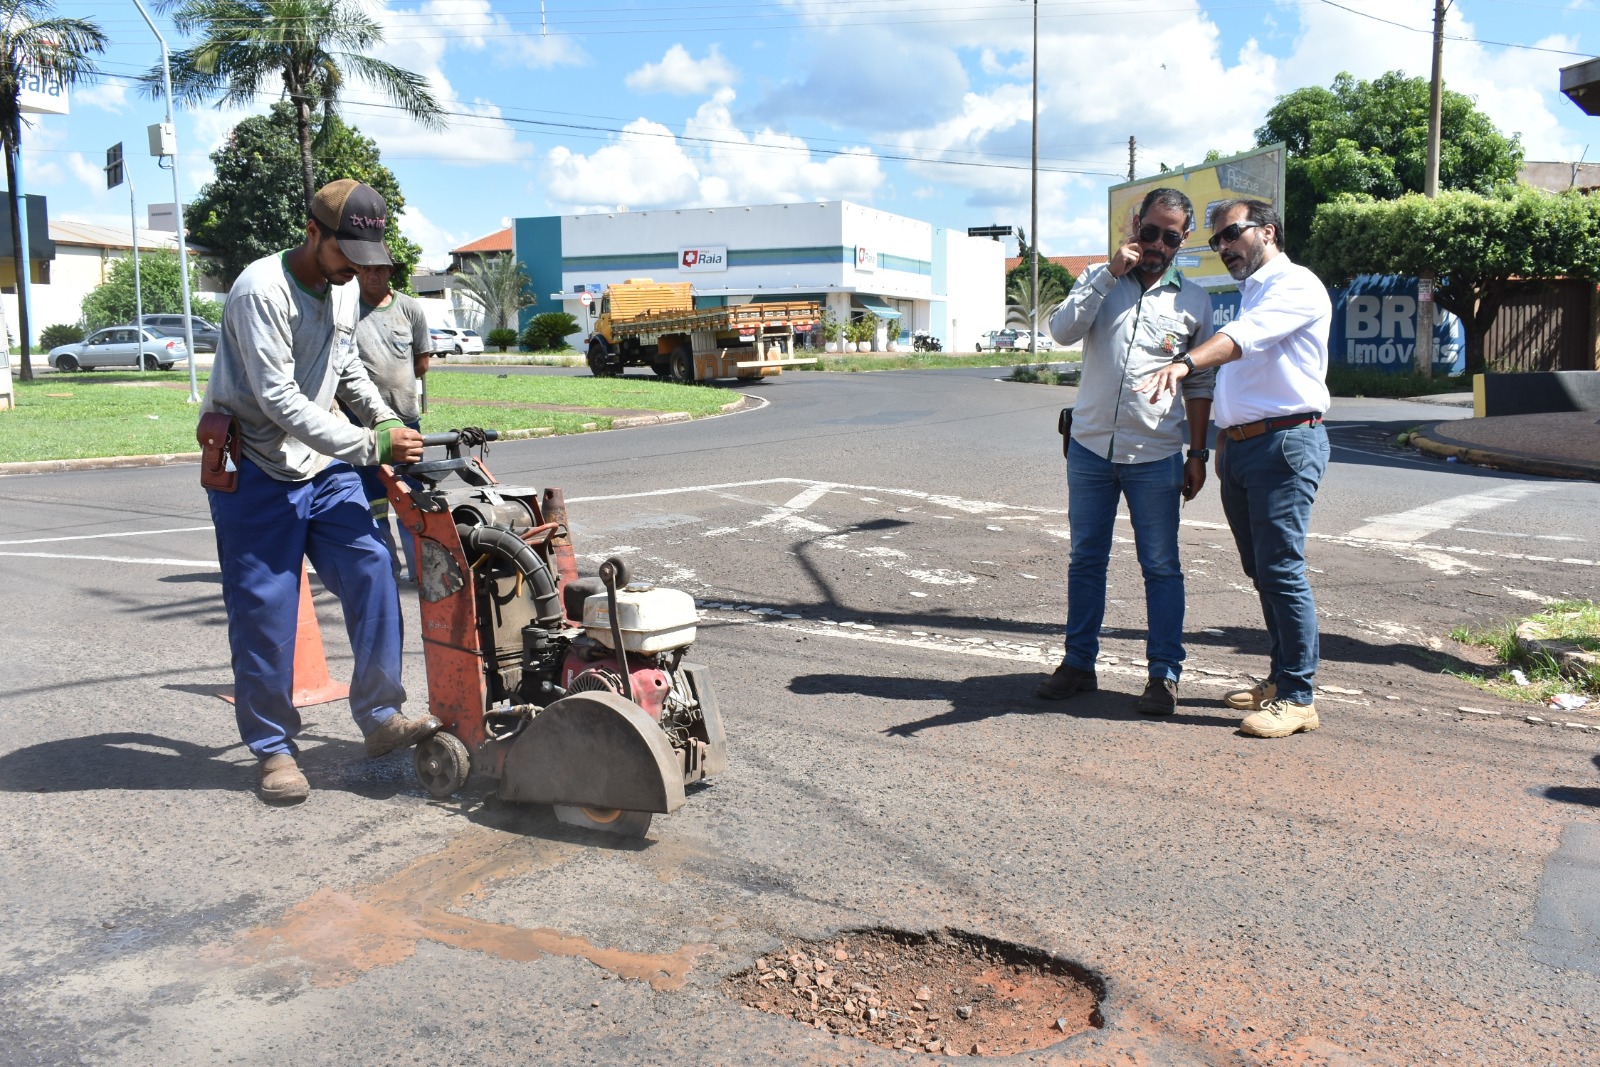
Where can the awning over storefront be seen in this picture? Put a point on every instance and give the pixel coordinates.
(877, 307)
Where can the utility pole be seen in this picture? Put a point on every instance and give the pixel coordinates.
(1423, 360)
(1133, 154)
(1033, 225)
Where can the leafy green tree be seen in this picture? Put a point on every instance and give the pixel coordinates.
(111, 303)
(1061, 276)
(1477, 244)
(498, 286)
(548, 332)
(1020, 301)
(253, 208)
(313, 47)
(1371, 138)
(33, 41)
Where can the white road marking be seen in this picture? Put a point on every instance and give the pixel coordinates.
(91, 537)
(208, 563)
(1417, 523)
(1513, 533)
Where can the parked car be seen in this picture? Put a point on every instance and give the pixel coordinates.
(997, 341)
(1046, 343)
(461, 342)
(205, 334)
(120, 346)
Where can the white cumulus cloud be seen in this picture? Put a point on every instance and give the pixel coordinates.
(678, 72)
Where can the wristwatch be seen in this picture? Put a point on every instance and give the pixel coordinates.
(1187, 362)
(1202, 454)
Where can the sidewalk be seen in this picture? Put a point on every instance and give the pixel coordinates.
(1562, 444)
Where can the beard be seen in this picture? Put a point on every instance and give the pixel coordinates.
(1153, 262)
(1247, 263)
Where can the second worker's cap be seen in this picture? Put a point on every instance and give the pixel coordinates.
(355, 214)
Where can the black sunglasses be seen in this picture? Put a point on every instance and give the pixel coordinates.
(1149, 233)
(1231, 234)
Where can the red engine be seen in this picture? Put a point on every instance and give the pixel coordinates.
(650, 684)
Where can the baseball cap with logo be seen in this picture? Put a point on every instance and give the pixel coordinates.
(354, 214)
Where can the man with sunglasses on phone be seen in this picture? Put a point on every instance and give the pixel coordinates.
(1133, 314)
(1271, 393)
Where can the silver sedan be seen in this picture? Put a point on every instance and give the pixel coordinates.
(120, 346)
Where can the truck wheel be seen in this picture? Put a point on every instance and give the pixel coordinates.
(662, 368)
(600, 360)
(682, 364)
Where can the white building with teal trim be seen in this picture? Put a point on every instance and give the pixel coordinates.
(847, 257)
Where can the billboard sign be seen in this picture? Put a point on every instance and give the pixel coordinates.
(1374, 326)
(1257, 174)
(704, 258)
(866, 259)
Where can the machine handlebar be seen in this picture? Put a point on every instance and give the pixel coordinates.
(472, 436)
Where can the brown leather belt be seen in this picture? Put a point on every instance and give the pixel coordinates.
(1283, 422)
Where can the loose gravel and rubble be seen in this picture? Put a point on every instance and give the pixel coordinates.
(947, 993)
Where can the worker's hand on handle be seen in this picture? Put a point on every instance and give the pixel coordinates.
(398, 444)
(1194, 478)
(1163, 383)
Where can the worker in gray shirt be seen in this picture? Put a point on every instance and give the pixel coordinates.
(285, 353)
(394, 344)
(1134, 314)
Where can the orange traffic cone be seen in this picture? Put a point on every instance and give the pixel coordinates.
(311, 682)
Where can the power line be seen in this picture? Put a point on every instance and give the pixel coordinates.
(1454, 37)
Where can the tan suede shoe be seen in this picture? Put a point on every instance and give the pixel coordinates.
(1251, 699)
(280, 780)
(1280, 718)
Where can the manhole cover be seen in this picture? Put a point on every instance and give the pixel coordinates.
(950, 993)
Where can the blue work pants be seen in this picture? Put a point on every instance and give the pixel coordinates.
(1268, 485)
(265, 532)
(1154, 492)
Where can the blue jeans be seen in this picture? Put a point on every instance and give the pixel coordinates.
(265, 531)
(1154, 492)
(1268, 484)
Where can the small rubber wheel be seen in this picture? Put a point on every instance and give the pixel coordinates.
(682, 364)
(66, 364)
(606, 820)
(442, 763)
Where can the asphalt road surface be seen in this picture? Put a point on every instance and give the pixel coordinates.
(881, 564)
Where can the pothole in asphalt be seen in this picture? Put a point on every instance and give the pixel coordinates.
(949, 993)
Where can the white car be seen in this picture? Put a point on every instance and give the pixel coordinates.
(1046, 342)
(460, 342)
(120, 346)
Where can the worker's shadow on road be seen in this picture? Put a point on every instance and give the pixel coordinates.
(134, 760)
(977, 699)
(1588, 796)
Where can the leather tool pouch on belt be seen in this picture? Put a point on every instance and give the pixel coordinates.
(218, 434)
(1064, 427)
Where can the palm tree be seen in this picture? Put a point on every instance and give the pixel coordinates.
(32, 42)
(498, 286)
(311, 45)
(1020, 302)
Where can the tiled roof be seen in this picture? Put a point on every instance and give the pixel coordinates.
(1075, 265)
(90, 235)
(499, 241)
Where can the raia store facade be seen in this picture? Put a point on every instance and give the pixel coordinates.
(849, 258)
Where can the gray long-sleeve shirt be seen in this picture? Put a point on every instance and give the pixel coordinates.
(283, 355)
(1128, 333)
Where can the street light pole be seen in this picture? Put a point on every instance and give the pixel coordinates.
(177, 207)
(1033, 224)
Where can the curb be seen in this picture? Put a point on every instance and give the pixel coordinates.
(628, 422)
(1506, 461)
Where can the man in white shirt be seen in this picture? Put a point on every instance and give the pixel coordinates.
(1270, 398)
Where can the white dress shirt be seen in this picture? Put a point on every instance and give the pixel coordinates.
(1282, 334)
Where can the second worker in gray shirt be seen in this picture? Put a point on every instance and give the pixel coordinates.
(1134, 315)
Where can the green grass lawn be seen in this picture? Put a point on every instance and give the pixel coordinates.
(106, 413)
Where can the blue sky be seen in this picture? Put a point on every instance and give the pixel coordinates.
(919, 107)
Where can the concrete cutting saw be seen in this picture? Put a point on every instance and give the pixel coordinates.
(570, 691)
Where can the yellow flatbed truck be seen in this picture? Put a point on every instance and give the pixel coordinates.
(645, 323)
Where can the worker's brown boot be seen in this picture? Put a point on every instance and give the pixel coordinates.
(280, 780)
(398, 731)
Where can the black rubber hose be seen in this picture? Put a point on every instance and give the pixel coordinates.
(502, 543)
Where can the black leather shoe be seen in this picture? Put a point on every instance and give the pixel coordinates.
(398, 731)
(1160, 697)
(1065, 682)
